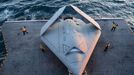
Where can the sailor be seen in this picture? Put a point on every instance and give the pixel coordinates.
(114, 26)
(42, 48)
(24, 30)
(106, 47)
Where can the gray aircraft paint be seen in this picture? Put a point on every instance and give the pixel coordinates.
(71, 40)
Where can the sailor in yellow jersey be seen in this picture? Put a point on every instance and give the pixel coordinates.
(114, 26)
(24, 30)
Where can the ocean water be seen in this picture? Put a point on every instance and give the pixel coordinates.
(44, 9)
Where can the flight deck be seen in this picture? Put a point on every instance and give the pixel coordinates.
(26, 58)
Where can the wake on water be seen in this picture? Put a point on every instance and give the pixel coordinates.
(44, 9)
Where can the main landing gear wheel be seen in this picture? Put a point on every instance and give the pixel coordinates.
(84, 73)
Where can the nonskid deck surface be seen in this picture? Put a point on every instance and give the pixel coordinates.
(119, 59)
(26, 58)
(24, 54)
